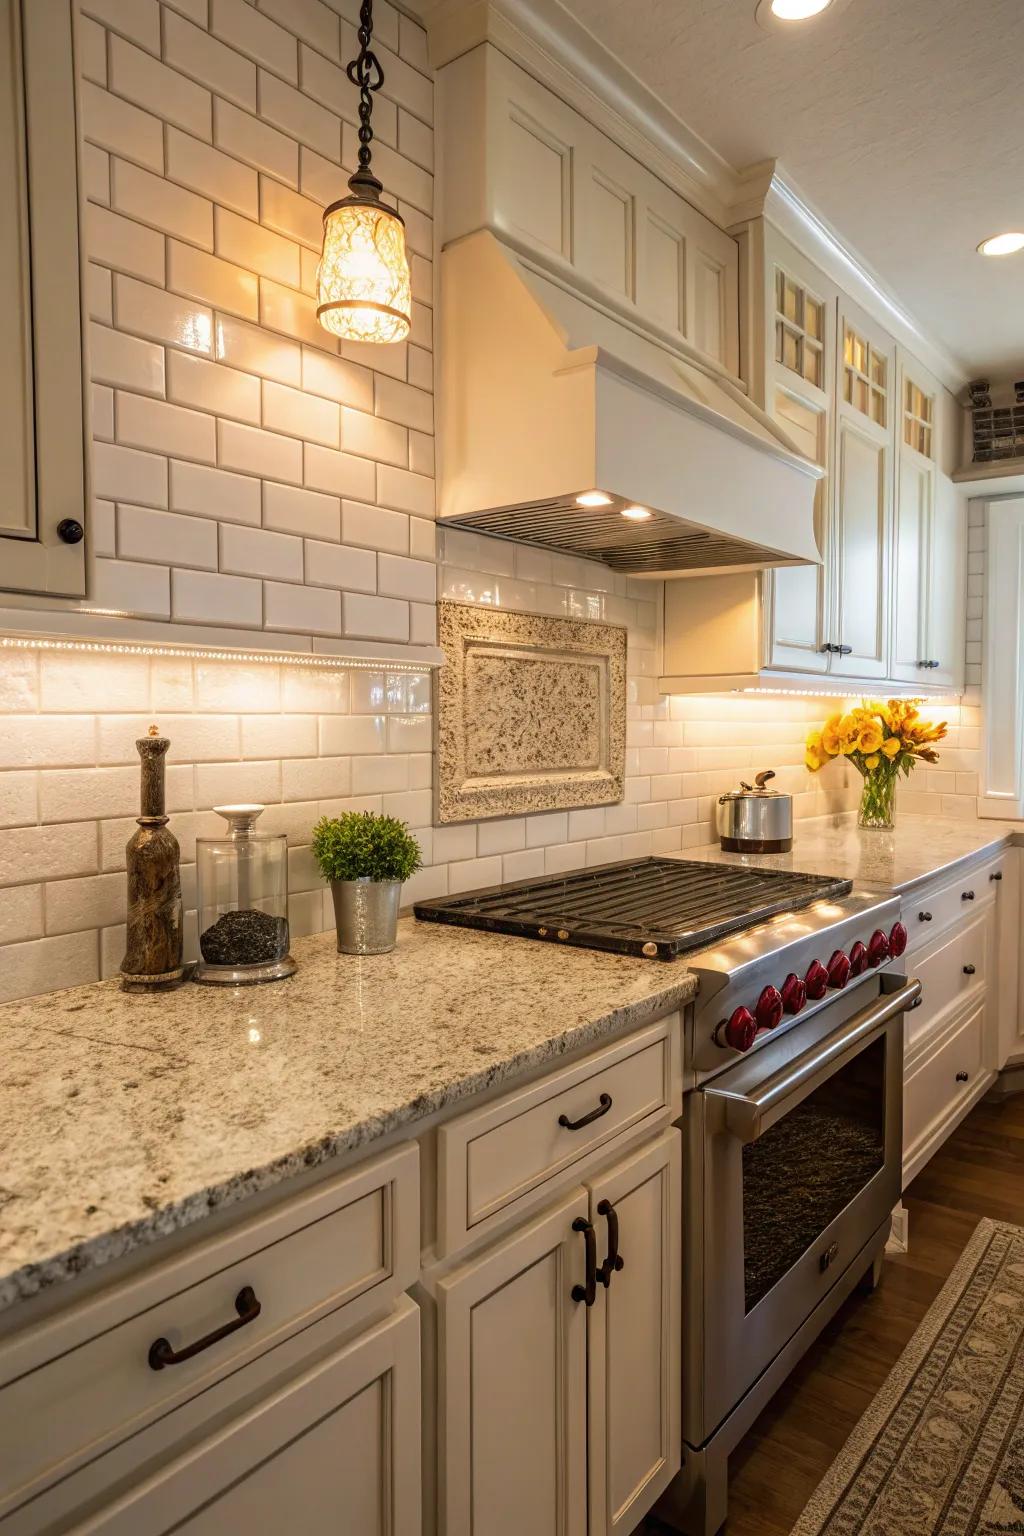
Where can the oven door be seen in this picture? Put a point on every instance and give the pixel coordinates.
(795, 1159)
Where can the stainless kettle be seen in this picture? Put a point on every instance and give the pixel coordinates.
(753, 819)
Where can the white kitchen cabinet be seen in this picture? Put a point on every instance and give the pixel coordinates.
(799, 351)
(1006, 876)
(928, 562)
(634, 1339)
(42, 420)
(555, 1415)
(512, 1410)
(334, 1449)
(863, 495)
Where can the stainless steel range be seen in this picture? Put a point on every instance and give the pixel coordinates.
(792, 1115)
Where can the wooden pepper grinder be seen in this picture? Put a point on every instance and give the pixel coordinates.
(152, 959)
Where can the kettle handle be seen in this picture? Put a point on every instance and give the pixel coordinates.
(761, 779)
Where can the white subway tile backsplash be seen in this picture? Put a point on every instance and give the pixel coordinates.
(256, 36)
(259, 452)
(137, 19)
(412, 579)
(122, 244)
(144, 310)
(124, 474)
(19, 801)
(290, 213)
(299, 116)
(21, 913)
(247, 138)
(404, 491)
(270, 736)
(294, 314)
(257, 552)
(200, 597)
(207, 386)
(142, 79)
(374, 438)
(374, 527)
(125, 361)
(342, 474)
(153, 200)
(302, 609)
(167, 537)
(190, 49)
(259, 250)
(374, 618)
(46, 965)
(311, 20)
(302, 415)
(197, 275)
(214, 493)
(291, 510)
(341, 566)
(251, 783)
(165, 428)
(258, 351)
(123, 129)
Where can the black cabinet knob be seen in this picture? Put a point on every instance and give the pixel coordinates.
(924, 917)
(70, 531)
(966, 895)
(998, 875)
(969, 970)
(963, 1077)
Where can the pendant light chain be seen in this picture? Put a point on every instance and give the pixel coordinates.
(365, 72)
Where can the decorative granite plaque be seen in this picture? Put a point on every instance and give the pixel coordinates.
(531, 713)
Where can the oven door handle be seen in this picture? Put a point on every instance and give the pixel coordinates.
(748, 1115)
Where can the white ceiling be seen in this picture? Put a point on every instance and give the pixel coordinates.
(902, 121)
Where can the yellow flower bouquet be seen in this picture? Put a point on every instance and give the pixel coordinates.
(881, 740)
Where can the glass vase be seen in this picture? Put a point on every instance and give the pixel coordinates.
(878, 800)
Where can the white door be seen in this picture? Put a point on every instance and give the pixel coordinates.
(865, 372)
(336, 1450)
(635, 1381)
(800, 309)
(512, 1390)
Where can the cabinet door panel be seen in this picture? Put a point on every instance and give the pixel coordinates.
(335, 1450)
(634, 1340)
(915, 496)
(513, 1384)
(946, 599)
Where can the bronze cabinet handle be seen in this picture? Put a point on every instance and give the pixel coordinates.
(614, 1260)
(248, 1309)
(924, 917)
(963, 1077)
(997, 875)
(966, 895)
(969, 970)
(604, 1104)
(588, 1291)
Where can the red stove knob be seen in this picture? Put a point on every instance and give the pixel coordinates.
(816, 981)
(794, 993)
(768, 1008)
(878, 947)
(739, 1032)
(858, 959)
(838, 970)
(897, 940)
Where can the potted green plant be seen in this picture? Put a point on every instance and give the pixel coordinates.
(366, 858)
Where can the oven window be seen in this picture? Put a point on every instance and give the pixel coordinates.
(807, 1167)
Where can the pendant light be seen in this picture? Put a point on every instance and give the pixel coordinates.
(362, 282)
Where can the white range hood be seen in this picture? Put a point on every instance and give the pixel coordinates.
(547, 393)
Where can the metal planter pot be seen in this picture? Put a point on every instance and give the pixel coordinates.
(366, 915)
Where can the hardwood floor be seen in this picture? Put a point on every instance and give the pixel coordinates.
(775, 1469)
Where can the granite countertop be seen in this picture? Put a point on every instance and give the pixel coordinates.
(126, 1118)
(917, 849)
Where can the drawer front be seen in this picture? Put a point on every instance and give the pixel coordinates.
(948, 972)
(936, 1087)
(929, 914)
(492, 1160)
(356, 1249)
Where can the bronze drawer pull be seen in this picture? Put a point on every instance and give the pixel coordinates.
(966, 895)
(604, 1104)
(614, 1260)
(963, 1077)
(588, 1291)
(998, 875)
(924, 917)
(248, 1309)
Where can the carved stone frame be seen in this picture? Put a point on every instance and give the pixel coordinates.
(547, 727)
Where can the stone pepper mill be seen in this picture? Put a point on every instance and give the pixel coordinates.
(152, 959)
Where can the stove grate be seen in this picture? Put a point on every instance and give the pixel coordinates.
(652, 907)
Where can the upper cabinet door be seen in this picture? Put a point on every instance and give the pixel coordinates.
(914, 546)
(866, 404)
(634, 1327)
(42, 417)
(800, 314)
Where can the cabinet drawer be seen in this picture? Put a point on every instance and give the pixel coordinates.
(948, 972)
(929, 913)
(936, 1087)
(491, 1160)
(86, 1375)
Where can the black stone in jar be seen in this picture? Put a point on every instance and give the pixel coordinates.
(245, 938)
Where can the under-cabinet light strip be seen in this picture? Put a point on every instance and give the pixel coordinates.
(886, 691)
(210, 653)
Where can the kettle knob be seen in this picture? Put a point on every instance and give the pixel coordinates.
(761, 779)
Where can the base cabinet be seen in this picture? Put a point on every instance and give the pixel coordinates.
(335, 1449)
(559, 1415)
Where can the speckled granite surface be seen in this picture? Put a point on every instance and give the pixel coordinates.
(917, 849)
(125, 1118)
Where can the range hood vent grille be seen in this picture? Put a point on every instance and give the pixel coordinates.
(659, 544)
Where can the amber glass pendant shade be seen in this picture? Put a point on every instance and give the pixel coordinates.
(363, 289)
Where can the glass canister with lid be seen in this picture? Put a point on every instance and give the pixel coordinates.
(242, 902)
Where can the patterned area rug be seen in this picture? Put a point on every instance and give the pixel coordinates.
(940, 1452)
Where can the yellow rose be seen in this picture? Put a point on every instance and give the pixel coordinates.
(830, 739)
(892, 747)
(849, 734)
(813, 760)
(872, 762)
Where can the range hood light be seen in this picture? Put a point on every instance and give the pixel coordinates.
(636, 514)
(593, 499)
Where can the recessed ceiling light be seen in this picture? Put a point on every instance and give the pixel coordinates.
(593, 499)
(636, 514)
(1002, 245)
(777, 15)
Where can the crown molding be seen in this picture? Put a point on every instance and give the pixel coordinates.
(551, 45)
